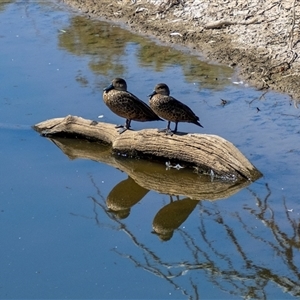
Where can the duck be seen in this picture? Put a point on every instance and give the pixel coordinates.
(171, 109)
(127, 105)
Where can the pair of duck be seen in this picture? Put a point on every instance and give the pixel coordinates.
(162, 105)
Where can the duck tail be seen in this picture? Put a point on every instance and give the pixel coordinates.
(198, 123)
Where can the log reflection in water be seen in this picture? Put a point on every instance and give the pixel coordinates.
(153, 176)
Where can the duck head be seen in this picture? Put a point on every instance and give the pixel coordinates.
(118, 84)
(162, 89)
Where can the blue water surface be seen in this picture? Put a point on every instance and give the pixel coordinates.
(60, 240)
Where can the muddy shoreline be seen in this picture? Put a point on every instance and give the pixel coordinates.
(261, 40)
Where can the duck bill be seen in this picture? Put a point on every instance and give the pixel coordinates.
(152, 94)
(107, 89)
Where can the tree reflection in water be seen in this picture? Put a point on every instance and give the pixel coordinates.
(107, 46)
(241, 251)
(231, 253)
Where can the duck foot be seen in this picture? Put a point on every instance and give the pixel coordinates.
(167, 131)
(119, 126)
(123, 129)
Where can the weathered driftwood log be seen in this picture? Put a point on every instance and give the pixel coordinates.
(209, 154)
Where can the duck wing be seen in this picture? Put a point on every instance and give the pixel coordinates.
(181, 111)
(137, 109)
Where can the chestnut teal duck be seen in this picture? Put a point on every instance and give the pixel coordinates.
(170, 109)
(127, 105)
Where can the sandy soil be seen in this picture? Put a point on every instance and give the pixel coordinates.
(259, 37)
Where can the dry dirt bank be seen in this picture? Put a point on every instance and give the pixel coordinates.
(260, 37)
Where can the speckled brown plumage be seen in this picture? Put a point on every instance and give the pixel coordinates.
(126, 105)
(171, 109)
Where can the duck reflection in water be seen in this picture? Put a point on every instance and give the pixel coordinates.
(126, 105)
(123, 196)
(171, 216)
(170, 109)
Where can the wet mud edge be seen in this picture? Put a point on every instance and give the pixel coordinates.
(258, 65)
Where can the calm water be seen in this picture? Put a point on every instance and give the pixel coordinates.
(83, 228)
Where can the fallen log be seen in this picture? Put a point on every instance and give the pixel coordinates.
(208, 154)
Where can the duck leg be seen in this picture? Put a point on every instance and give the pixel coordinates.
(127, 123)
(175, 129)
(123, 128)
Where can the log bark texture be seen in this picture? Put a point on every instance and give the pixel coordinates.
(206, 153)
